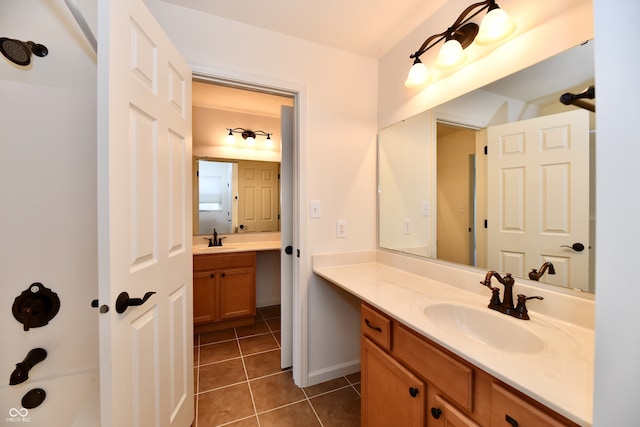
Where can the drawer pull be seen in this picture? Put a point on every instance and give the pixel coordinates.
(375, 328)
(511, 421)
(413, 391)
(436, 412)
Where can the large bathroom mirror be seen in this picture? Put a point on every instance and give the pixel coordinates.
(236, 196)
(500, 178)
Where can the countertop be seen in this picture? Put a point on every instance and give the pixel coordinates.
(236, 247)
(559, 375)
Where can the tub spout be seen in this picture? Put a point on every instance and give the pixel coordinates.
(21, 373)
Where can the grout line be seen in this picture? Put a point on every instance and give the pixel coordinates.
(196, 384)
(246, 375)
(312, 408)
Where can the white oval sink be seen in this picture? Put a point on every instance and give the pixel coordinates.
(486, 326)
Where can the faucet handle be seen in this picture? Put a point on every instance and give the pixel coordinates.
(521, 311)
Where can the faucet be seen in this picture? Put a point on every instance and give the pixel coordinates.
(537, 274)
(21, 373)
(506, 306)
(215, 241)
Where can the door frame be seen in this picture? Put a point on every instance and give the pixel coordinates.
(301, 268)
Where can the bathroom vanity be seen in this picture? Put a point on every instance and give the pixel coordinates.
(434, 354)
(224, 283)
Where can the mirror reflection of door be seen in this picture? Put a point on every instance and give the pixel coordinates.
(538, 203)
(456, 149)
(258, 197)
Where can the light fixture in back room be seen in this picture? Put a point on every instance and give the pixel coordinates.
(249, 136)
(495, 26)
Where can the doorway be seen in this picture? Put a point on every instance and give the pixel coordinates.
(221, 105)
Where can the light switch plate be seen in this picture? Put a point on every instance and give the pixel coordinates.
(341, 229)
(314, 209)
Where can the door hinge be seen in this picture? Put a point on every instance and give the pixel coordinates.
(486, 224)
(486, 150)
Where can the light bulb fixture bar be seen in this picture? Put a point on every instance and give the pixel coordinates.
(249, 135)
(495, 26)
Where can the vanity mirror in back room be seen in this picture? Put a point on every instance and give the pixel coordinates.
(236, 186)
(524, 201)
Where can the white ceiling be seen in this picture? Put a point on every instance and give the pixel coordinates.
(367, 27)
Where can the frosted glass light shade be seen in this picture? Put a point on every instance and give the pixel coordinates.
(230, 139)
(495, 26)
(451, 54)
(418, 75)
(250, 141)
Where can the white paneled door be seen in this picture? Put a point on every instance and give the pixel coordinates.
(538, 197)
(144, 197)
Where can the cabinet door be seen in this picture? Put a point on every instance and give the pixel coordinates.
(204, 297)
(237, 293)
(391, 395)
(446, 415)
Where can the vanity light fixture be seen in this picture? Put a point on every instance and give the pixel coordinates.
(249, 136)
(495, 26)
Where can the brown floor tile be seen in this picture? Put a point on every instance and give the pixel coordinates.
(274, 324)
(276, 335)
(255, 344)
(259, 327)
(339, 408)
(261, 364)
(326, 386)
(221, 374)
(274, 391)
(224, 405)
(358, 389)
(354, 378)
(247, 422)
(196, 353)
(217, 336)
(269, 312)
(297, 415)
(220, 351)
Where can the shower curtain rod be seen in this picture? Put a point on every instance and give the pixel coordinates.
(578, 99)
(83, 24)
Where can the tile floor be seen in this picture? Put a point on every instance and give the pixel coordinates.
(239, 382)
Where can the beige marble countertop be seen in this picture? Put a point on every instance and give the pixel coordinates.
(247, 242)
(559, 374)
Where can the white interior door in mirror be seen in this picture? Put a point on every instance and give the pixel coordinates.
(258, 199)
(538, 197)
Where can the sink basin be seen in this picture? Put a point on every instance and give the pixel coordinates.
(485, 326)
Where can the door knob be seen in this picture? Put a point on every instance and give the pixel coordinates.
(288, 250)
(578, 247)
(123, 301)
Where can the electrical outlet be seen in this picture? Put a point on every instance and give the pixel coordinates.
(425, 208)
(341, 229)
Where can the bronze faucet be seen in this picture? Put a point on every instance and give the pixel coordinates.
(506, 306)
(537, 274)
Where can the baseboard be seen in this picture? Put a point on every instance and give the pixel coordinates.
(268, 302)
(333, 372)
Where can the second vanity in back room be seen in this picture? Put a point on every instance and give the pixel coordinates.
(453, 329)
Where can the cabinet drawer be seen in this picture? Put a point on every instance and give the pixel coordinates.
(376, 326)
(216, 261)
(508, 408)
(451, 376)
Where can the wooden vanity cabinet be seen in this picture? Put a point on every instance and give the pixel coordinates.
(450, 390)
(224, 290)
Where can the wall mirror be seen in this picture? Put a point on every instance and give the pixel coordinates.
(236, 196)
(500, 178)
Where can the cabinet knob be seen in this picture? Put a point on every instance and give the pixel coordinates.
(436, 412)
(223, 275)
(413, 391)
(212, 275)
